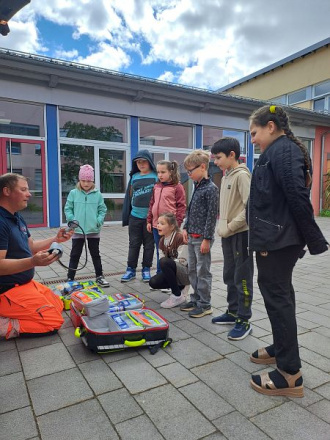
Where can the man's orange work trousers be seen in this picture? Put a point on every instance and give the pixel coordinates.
(30, 308)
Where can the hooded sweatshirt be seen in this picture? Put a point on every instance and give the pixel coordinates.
(139, 189)
(234, 194)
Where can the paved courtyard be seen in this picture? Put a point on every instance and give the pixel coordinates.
(53, 388)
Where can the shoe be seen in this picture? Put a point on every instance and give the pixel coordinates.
(261, 356)
(101, 281)
(185, 292)
(129, 275)
(146, 274)
(225, 318)
(169, 291)
(69, 280)
(188, 306)
(199, 312)
(278, 383)
(172, 301)
(241, 330)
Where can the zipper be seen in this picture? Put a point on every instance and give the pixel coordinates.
(279, 227)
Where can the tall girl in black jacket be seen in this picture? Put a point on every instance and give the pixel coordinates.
(281, 223)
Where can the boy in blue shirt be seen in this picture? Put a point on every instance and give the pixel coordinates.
(135, 211)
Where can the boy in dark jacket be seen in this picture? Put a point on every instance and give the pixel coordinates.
(199, 232)
(135, 211)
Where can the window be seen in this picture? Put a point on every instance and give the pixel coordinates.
(322, 89)
(92, 126)
(21, 119)
(279, 100)
(300, 95)
(213, 134)
(13, 148)
(165, 135)
(319, 105)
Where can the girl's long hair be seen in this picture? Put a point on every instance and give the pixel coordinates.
(173, 168)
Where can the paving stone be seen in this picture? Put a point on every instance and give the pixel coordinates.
(296, 423)
(120, 406)
(316, 342)
(13, 392)
(99, 376)
(236, 427)
(206, 400)
(314, 359)
(314, 377)
(161, 358)
(231, 383)
(137, 376)
(84, 421)
(191, 353)
(67, 336)
(18, 425)
(140, 428)
(45, 360)
(177, 375)
(309, 398)
(81, 353)
(120, 355)
(321, 409)
(324, 390)
(177, 334)
(7, 344)
(217, 344)
(173, 415)
(188, 326)
(249, 344)
(9, 362)
(215, 436)
(28, 343)
(64, 389)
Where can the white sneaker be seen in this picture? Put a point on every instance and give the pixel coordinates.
(172, 301)
(169, 291)
(185, 292)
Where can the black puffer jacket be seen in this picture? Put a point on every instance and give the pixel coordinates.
(280, 213)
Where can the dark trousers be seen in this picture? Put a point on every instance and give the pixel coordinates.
(275, 283)
(156, 240)
(138, 235)
(238, 274)
(167, 277)
(77, 247)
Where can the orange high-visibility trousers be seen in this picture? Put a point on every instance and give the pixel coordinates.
(31, 308)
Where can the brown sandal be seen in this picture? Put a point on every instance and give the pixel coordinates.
(268, 387)
(262, 357)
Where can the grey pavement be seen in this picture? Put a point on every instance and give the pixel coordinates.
(197, 388)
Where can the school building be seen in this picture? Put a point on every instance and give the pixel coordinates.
(56, 115)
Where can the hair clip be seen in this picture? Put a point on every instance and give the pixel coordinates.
(272, 108)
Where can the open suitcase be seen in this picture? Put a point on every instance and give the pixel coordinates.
(117, 331)
(115, 302)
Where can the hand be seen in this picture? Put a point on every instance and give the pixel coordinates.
(44, 258)
(185, 236)
(63, 235)
(149, 227)
(205, 246)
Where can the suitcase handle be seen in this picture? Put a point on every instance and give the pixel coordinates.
(135, 343)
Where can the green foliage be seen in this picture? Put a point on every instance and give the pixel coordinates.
(78, 130)
(325, 213)
(326, 193)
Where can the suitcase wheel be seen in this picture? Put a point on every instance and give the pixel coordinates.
(135, 343)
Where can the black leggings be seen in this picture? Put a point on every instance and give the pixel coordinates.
(77, 247)
(167, 277)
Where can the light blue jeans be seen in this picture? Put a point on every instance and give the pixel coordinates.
(199, 272)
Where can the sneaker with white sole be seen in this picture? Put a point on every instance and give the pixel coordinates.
(101, 281)
(172, 301)
(241, 330)
(199, 312)
(169, 291)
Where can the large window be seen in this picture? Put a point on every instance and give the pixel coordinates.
(298, 96)
(159, 134)
(106, 128)
(213, 134)
(21, 119)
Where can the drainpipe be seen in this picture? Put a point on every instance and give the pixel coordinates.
(322, 163)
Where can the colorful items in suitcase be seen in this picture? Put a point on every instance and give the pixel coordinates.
(64, 290)
(117, 331)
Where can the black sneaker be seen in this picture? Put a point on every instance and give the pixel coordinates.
(199, 312)
(241, 330)
(188, 306)
(101, 281)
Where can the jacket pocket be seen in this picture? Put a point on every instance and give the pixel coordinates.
(223, 229)
(269, 223)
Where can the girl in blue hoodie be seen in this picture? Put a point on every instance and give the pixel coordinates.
(86, 205)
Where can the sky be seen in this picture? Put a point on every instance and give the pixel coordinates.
(200, 43)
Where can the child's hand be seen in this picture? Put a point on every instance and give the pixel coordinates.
(149, 227)
(205, 246)
(185, 236)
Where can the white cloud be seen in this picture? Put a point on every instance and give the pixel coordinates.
(206, 43)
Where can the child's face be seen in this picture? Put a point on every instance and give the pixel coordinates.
(197, 172)
(86, 185)
(143, 166)
(163, 227)
(163, 173)
(224, 162)
(262, 136)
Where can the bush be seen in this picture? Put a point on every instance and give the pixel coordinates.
(325, 213)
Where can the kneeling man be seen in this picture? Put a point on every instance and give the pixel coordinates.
(26, 306)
